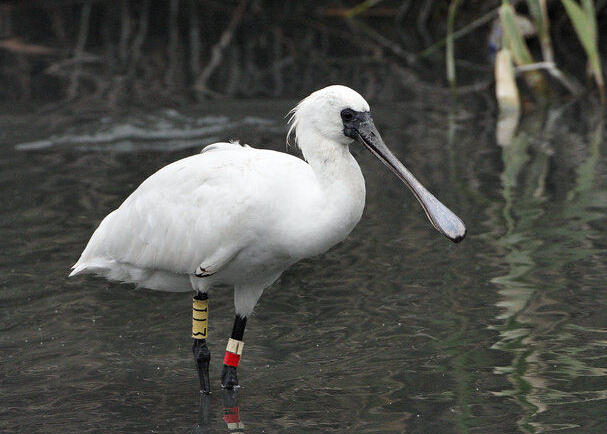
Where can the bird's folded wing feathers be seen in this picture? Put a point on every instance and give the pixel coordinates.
(193, 210)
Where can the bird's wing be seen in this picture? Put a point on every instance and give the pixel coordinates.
(199, 210)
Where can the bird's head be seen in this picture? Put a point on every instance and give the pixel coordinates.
(330, 119)
(323, 114)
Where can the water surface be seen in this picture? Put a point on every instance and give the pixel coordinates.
(394, 330)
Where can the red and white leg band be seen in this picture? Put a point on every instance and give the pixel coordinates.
(233, 352)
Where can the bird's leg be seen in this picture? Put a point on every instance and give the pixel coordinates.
(229, 379)
(200, 324)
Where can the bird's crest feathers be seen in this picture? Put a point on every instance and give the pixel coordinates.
(331, 99)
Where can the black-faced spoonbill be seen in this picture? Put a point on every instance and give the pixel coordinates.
(240, 216)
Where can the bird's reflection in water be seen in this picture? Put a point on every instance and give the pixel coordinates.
(231, 413)
(204, 415)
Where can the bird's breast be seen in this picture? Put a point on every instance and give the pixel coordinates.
(326, 218)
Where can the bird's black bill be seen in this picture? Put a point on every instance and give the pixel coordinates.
(441, 217)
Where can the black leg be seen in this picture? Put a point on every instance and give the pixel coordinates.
(202, 355)
(229, 379)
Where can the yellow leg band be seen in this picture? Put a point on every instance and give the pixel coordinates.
(200, 318)
(235, 346)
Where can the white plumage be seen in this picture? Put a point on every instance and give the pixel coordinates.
(240, 216)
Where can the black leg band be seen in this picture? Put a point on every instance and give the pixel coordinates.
(229, 378)
(201, 296)
(238, 329)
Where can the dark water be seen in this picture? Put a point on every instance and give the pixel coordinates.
(395, 330)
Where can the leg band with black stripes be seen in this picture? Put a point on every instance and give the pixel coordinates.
(200, 316)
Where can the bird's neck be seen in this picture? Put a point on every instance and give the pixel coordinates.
(340, 179)
(332, 162)
(333, 201)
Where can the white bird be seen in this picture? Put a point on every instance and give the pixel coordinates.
(240, 216)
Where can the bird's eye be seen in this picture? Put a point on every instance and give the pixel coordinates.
(347, 115)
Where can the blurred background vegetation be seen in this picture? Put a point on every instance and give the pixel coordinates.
(110, 52)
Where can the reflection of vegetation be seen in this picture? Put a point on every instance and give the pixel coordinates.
(519, 247)
(534, 327)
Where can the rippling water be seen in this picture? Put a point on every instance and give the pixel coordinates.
(394, 330)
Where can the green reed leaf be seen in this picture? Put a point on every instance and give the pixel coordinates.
(583, 18)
